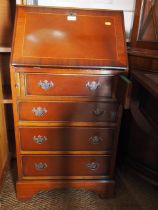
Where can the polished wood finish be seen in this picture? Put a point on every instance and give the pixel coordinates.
(66, 108)
(24, 192)
(7, 17)
(82, 85)
(142, 135)
(64, 166)
(65, 47)
(68, 111)
(67, 139)
(141, 43)
(148, 22)
(149, 80)
(142, 145)
(123, 91)
(143, 60)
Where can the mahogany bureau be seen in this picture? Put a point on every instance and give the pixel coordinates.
(67, 97)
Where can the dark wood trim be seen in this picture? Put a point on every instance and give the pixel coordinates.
(143, 52)
(135, 43)
(147, 82)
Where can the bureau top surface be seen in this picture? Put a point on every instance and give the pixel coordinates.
(68, 37)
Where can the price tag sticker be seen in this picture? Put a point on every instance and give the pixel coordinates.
(107, 23)
(71, 18)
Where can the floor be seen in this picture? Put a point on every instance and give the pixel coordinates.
(132, 193)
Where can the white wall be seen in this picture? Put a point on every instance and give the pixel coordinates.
(126, 5)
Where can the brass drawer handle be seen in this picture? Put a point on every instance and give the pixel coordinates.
(39, 139)
(93, 166)
(98, 112)
(45, 85)
(39, 111)
(93, 85)
(40, 166)
(95, 140)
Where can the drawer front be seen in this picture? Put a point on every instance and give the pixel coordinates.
(66, 139)
(68, 111)
(68, 85)
(66, 165)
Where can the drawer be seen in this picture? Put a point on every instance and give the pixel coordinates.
(66, 165)
(68, 85)
(68, 111)
(66, 139)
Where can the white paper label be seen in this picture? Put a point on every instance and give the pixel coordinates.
(71, 17)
